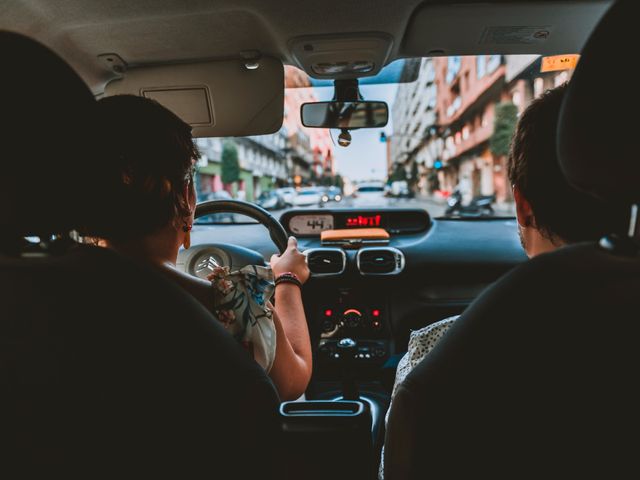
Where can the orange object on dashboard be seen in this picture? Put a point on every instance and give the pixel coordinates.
(354, 234)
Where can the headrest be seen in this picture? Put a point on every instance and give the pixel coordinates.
(46, 142)
(597, 132)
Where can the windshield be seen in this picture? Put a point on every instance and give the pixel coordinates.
(444, 149)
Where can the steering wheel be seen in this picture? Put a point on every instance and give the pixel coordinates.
(199, 260)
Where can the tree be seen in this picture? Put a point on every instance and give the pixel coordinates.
(504, 125)
(230, 168)
(433, 181)
(414, 176)
(338, 181)
(399, 173)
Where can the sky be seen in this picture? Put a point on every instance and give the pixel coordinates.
(366, 157)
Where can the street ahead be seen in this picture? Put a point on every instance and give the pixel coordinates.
(435, 208)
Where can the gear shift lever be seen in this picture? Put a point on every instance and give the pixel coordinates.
(347, 348)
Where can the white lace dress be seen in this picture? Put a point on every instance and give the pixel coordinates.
(421, 342)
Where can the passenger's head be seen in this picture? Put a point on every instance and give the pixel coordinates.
(151, 155)
(550, 212)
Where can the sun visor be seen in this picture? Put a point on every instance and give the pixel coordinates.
(502, 28)
(218, 99)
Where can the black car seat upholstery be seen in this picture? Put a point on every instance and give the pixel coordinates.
(537, 377)
(107, 370)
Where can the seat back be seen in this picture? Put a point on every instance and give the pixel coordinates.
(536, 378)
(107, 369)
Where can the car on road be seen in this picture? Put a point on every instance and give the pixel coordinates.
(222, 217)
(370, 194)
(399, 189)
(287, 193)
(332, 194)
(308, 196)
(271, 200)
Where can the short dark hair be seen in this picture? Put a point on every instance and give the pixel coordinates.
(150, 154)
(560, 211)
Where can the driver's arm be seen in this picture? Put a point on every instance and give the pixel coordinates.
(291, 369)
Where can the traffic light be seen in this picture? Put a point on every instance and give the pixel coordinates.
(383, 137)
(437, 164)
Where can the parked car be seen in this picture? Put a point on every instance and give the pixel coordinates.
(399, 189)
(370, 194)
(287, 193)
(332, 194)
(271, 200)
(308, 196)
(223, 217)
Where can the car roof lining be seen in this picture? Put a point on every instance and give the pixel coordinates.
(173, 31)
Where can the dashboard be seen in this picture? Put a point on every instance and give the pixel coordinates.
(445, 264)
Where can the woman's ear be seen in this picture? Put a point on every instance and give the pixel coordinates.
(524, 213)
(189, 195)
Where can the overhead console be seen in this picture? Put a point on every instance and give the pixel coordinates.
(342, 56)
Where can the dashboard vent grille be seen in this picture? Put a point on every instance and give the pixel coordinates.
(380, 261)
(326, 261)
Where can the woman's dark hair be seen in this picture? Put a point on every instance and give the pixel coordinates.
(560, 211)
(149, 155)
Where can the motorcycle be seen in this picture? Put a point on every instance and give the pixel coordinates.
(480, 206)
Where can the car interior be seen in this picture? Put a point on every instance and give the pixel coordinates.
(109, 370)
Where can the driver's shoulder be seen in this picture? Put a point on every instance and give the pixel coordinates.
(202, 290)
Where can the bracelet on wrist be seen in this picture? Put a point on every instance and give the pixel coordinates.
(288, 277)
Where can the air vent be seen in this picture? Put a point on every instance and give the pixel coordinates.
(326, 261)
(380, 261)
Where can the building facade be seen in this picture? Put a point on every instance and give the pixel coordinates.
(292, 156)
(452, 141)
(414, 117)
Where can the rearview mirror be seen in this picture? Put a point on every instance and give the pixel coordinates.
(344, 115)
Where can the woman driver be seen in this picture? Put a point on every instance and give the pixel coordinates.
(151, 155)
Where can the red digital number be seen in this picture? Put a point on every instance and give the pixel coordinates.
(361, 221)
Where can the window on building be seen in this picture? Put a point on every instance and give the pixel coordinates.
(538, 87)
(493, 63)
(454, 107)
(516, 98)
(453, 67)
(481, 66)
(560, 78)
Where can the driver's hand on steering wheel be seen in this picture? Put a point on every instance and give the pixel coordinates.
(291, 261)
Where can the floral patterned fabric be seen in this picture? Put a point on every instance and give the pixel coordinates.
(241, 299)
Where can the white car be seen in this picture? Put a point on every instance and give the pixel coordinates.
(287, 193)
(370, 194)
(307, 197)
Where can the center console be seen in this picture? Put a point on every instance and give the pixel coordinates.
(358, 314)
